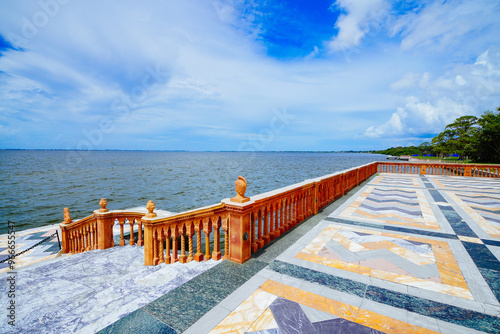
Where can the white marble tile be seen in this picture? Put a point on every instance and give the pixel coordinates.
(88, 291)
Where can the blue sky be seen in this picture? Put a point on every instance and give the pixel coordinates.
(243, 75)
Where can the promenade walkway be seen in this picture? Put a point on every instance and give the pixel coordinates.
(398, 254)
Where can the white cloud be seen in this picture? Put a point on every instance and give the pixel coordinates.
(465, 90)
(444, 24)
(90, 62)
(361, 15)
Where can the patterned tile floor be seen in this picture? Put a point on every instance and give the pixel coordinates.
(398, 254)
(405, 254)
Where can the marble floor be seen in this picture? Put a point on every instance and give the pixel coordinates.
(404, 254)
(397, 254)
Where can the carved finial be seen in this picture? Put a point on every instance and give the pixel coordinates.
(151, 207)
(67, 217)
(103, 202)
(240, 186)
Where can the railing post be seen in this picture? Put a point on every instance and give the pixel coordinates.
(64, 232)
(105, 222)
(468, 171)
(239, 209)
(239, 230)
(423, 169)
(104, 229)
(149, 241)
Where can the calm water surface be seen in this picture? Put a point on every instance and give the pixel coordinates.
(35, 186)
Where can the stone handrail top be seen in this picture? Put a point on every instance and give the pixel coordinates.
(183, 214)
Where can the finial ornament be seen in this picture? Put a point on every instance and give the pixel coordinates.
(103, 202)
(240, 186)
(151, 207)
(67, 217)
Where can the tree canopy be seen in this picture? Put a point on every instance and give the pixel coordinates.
(469, 137)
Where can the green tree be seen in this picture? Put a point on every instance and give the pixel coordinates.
(425, 148)
(458, 137)
(487, 143)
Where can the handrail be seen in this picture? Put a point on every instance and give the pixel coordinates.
(248, 223)
(436, 168)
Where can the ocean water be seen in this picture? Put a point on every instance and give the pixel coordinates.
(35, 186)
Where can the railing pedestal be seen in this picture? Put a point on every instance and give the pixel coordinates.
(104, 229)
(240, 231)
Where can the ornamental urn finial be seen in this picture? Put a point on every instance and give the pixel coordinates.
(151, 207)
(103, 202)
(67, 217)
(240, 186)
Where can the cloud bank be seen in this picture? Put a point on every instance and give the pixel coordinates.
(199, 75)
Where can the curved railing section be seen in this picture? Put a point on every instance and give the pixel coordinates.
(96, 231)
(242, 224)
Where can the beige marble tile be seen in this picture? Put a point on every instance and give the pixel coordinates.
(242, 318)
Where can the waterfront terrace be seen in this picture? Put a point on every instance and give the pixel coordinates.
(386, 247)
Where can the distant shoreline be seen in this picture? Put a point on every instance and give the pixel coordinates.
(117, 150)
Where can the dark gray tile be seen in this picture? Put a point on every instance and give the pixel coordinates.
(342, 326)
(138, 322)
(290, 317)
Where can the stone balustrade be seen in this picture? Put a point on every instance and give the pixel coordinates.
(244, 224)
(432, 168)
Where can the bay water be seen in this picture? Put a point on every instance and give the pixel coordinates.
(35, 185)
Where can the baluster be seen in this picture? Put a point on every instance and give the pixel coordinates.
(266, 237)
(182, 232)
(87, 238)
(190, 233)
(294, 211)
(253, 244)
(94, 235)
(286, 223)
(122, 238)
(175, 236)
(75, 242)
(155, 247)
(160, 241)
(71, 242)
(260, 242)
(225, 227)
(168, 258)
(277, 231)
(140, 241)
(271, 222)
(207, 228)
(216, 255)
(131, 222)
(281, 221)
(79, 239)
(198, 257)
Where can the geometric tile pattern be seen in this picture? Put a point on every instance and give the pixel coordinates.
(483, 208)
(407, 207)
(472, 184)
(24, 240)
(279, 308)
(397, 181)
(414, 261)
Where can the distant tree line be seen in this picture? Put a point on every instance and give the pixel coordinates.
(468, 137)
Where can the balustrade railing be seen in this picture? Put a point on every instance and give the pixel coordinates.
(242, 224)
(431, 168)
(96, 231)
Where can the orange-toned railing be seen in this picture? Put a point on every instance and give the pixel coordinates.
(247, 224)
(96, 231)
(431, 168)
(162, 234)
